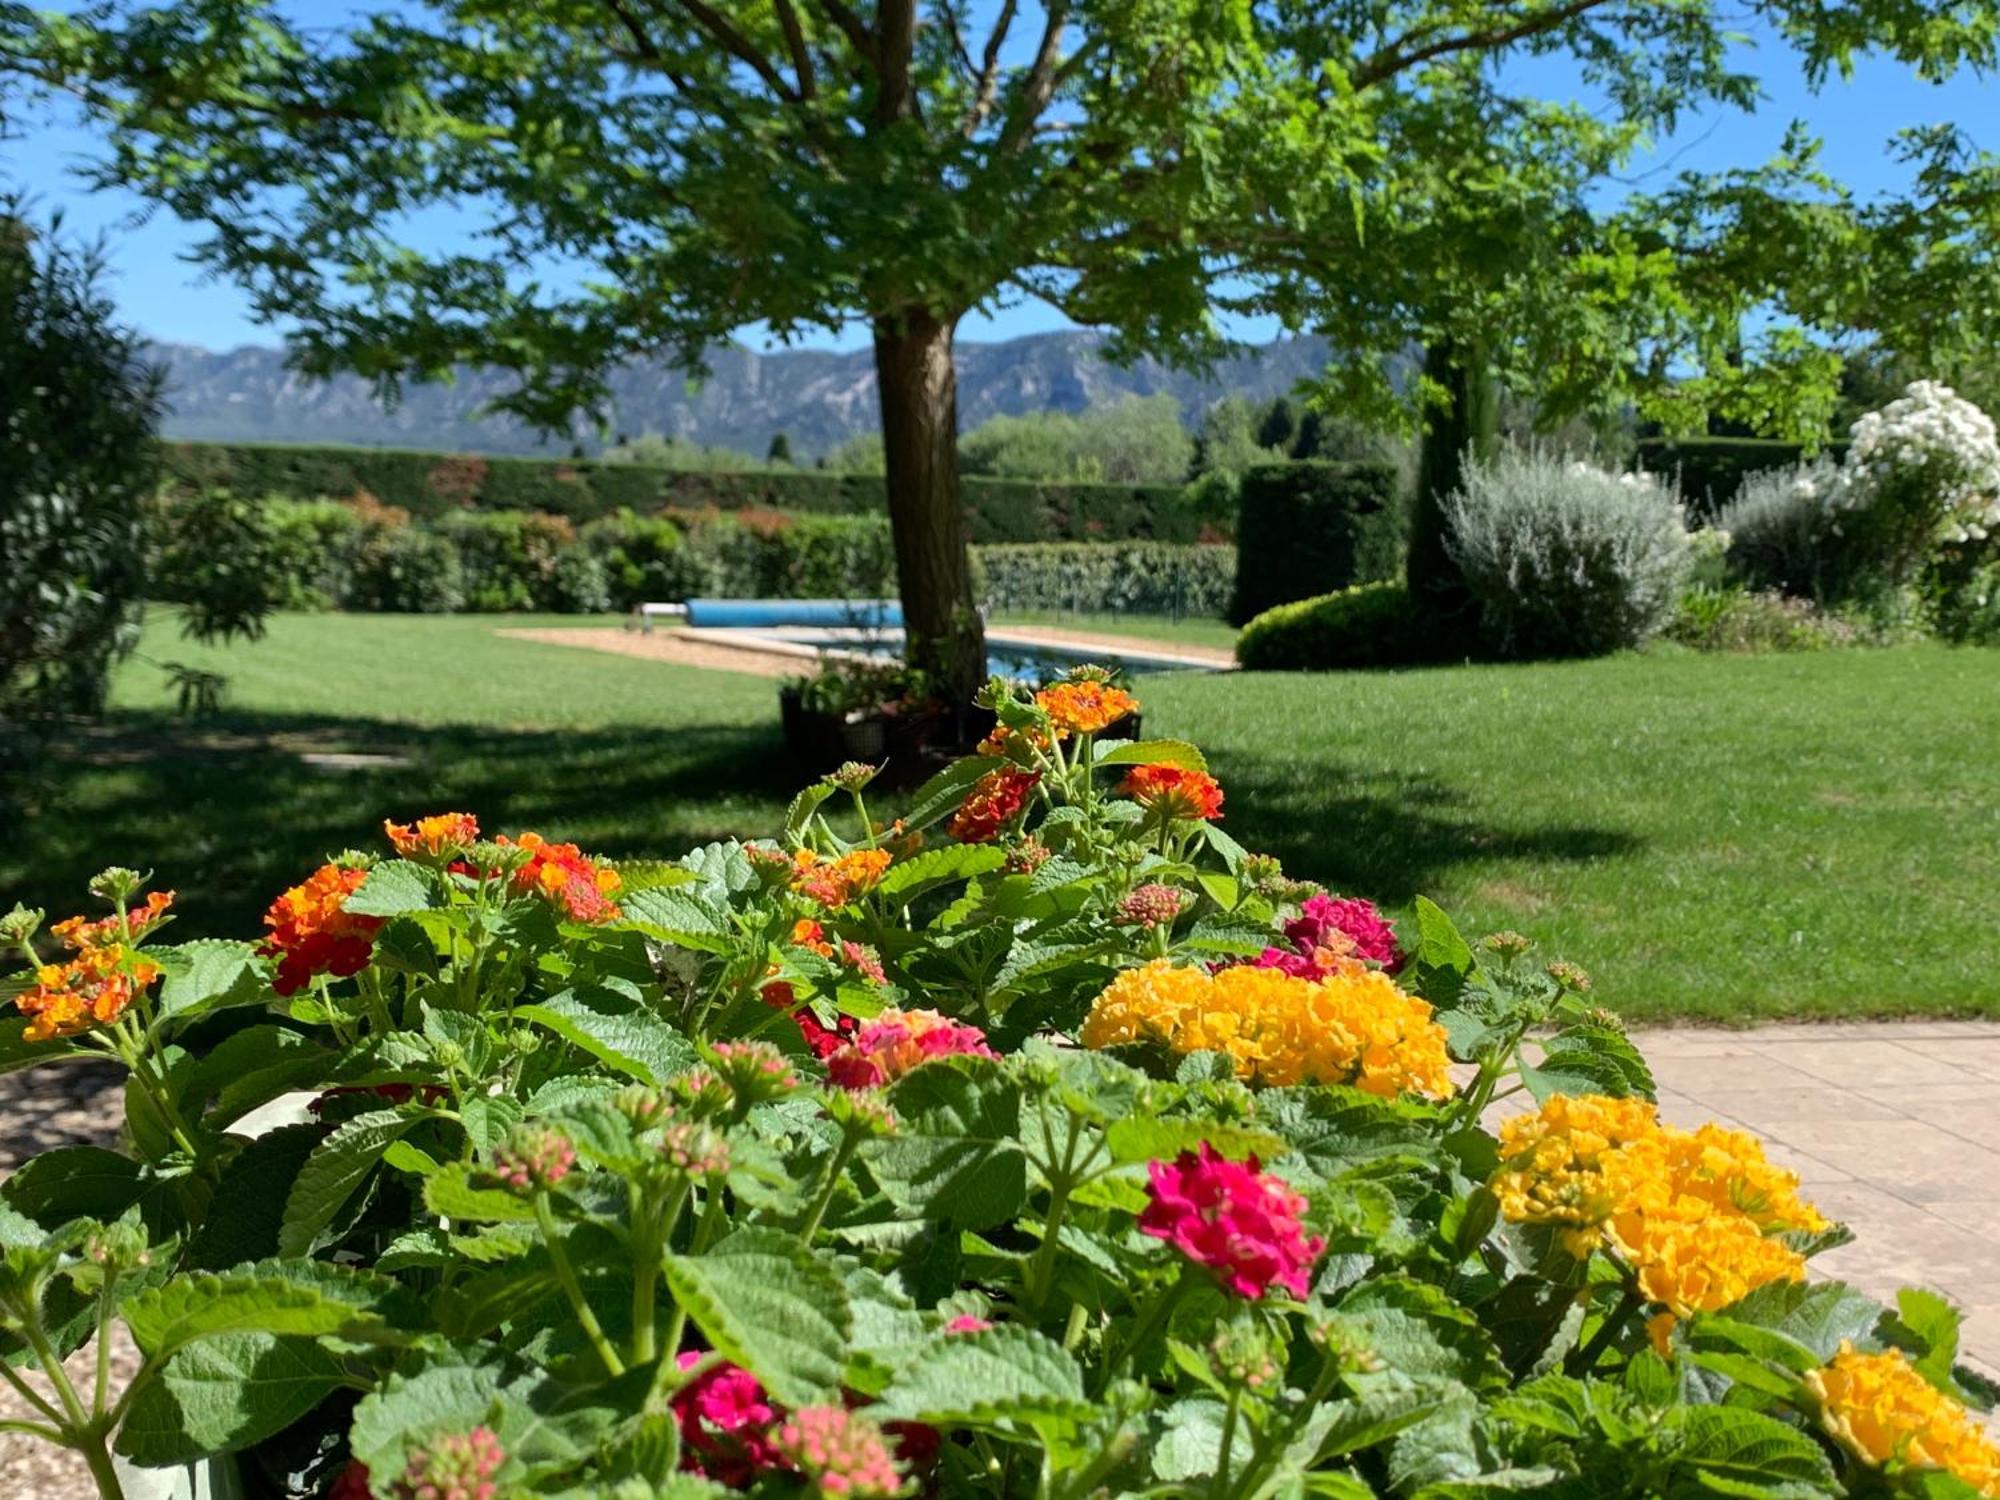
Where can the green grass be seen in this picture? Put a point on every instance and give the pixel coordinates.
(1187, 631)
(1713, 837)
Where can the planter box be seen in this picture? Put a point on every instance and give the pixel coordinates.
(821, 742)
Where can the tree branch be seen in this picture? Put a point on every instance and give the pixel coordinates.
(989, 68)
(1394, 59)
(795, 42)
(851, 27)
(738, 46)
(641, 43)
(1040, 86)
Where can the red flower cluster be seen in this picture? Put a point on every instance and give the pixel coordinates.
(1174, 791)
(565, 876)
(995, 800)
(823, 1041)
(1345, 925)
(897, 1041)
(725, 1420)
(1233, 1218)
(312, 932)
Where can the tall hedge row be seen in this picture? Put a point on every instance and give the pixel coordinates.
(1711, 470)
(431, 484)
(1305, 529)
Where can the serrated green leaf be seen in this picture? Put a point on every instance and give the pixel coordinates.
(392, 888)
(74, 1182)
(936, 866)
(450, 1194)
(616, 1032)
(958, 1155)
(802, 807)
(162, 1319)
(944, 791)
(1152, 753)
(677, 916)
(252, 1067)
(768, 1304)
(1738, 1443)
(222, 1394)
(335, 1169)
(206, 975)
(1002, 1373)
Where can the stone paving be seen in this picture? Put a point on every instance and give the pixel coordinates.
(1893, 1128)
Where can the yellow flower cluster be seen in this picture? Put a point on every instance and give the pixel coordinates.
(1882, 1411)
(1692, 1213)
(1354, 1027)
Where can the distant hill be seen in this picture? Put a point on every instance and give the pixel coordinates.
(817, 397)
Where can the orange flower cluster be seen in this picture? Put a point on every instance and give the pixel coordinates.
(312, 932)
(1174, 791)
(995, 800)
(1883, 1412)
(835, 882)
(1693, 1214)
(434, 837)
(565, 876)
(106, 976)
(809, 935)
(1085, 706)
(1355, 1027)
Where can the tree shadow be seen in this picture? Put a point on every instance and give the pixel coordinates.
(1385, 834)
(231, 811)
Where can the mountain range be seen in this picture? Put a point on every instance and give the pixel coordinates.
(816, 397)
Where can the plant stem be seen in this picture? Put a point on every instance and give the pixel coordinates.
(823, 1200)
(1155, 1317)
(1614, 1322)
(648, 1248)
(98, 1458)
(1220, 1487)
(29, 1394)
(572, 1288)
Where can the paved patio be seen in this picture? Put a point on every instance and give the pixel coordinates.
(1893, 1128)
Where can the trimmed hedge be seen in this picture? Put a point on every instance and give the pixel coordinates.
(1140, 577)
(431, 484)
(1710, 470)
(1368, 625)
(1305, 528)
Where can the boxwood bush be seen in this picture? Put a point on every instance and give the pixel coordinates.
(1368, 625)
(1304, 529)
(1044, 1143)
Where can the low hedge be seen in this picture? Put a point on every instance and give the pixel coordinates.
(1368, 625)
(430, 484)
(1304, 528)
(1710, 470)
(1142, 577)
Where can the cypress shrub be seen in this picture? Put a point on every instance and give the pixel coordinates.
(1303, 529)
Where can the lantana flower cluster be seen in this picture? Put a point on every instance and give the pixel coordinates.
(1331, 932)
(1695, 1216)
(1884, 1413)
(313, 933)
(1354, 1027)
(896, 1041)
(1233, 1217)
(106, 974)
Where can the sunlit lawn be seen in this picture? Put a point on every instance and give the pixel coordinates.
(1711, 837)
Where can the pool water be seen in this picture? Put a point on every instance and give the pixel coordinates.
(1018, 660)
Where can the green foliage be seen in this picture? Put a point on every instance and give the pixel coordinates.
(1307, 528)
(1710, 471)
(1564, 559)
(656, 452)
(1736, 619)
(1146, 577)
(1139, 440)
(77, 407)
(1368, 625)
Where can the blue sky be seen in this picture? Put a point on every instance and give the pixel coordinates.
(167, 298)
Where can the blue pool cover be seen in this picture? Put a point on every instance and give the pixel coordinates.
(736, 614)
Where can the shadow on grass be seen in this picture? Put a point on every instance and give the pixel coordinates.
(1387, 835)
(232, 810)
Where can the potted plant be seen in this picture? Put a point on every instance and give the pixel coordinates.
(854, 708)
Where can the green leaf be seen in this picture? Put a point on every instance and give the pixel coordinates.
(208, 974)
(1931, 1326)
(392, 888)
(1190, 1442)
(252, 1067)
(1737, 1443)
(958, 1155)
(1000, 1374)
(808, 802)
(450, 1194)
(1152, 753)
(1588, 1059)
(17, 1052)
(1340, 1427)
(1417, 1331)
(615, 1031)
(1439, 945)
(254, 1185)
(74, 1182)
(936, 866)
(335, 1169)
(1144, 1137)
(767, 1303)
(488, 1119)
(678, 917)
(1222, 889)
(164, 1318)
(225, 1393)
(944, 791)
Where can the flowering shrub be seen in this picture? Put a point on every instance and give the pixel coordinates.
(1080, 1154)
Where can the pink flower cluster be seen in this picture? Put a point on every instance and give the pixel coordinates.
(899, 1040)
(1330, 928)
(1233, 1218)
(842, 1453)
(456, 1466)
(725, 1421)
(533, 1156)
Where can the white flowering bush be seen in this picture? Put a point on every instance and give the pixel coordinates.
(1931, 452)
(1567, 559)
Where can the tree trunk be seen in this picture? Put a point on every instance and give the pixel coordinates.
(918, 382)
(1455, 435)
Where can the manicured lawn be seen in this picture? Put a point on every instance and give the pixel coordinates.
(1187, 631)
(1721, 838)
